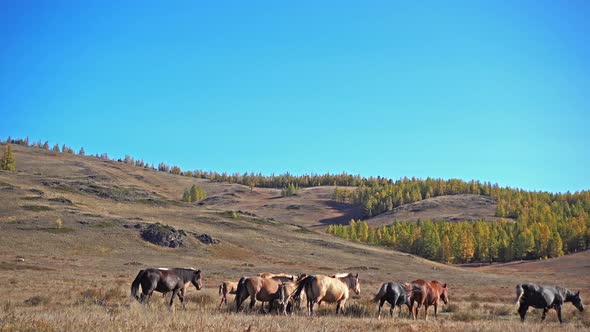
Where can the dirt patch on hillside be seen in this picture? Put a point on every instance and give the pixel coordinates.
(113, 192)
(447, 208)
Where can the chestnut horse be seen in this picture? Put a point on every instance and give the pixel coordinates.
(227, 287)
(257, 288)
(427, 293)
(331, 289)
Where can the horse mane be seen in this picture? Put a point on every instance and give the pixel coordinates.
(186, 273)
(569, 294)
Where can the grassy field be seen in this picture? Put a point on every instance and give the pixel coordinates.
(77, 276)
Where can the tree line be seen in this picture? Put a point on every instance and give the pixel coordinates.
(468, 241)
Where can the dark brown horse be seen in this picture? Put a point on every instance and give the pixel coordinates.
(427, 293)
(545, 297)
(165, 280)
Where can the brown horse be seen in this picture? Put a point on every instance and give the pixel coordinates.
(257, 288)
(427, 293)
(331, 289)
(227, 287)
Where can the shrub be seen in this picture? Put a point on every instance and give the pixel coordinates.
(290, 190)
(37, 300)
(357, 310)
(464, 316)
(450, 308)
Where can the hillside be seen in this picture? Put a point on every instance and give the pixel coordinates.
(448, 208)
(86, 266)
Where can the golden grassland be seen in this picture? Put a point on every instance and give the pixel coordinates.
(111, 309)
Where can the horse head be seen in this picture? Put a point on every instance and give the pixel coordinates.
(444, 293)
(355, 284)
(196, 280)
(577, 301)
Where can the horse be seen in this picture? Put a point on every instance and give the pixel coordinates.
(288, 303)
(394, 293)
(427, 293)
(545, 297)
(334, 289)
(227, 287)
(257, 288)
(283, 277)
(165, 280)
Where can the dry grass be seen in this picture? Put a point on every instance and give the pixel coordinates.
(113, 310)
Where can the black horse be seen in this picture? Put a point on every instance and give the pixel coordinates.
(394, 293)
(545, 297)
(164, 281)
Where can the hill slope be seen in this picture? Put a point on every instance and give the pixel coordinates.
(448, 208)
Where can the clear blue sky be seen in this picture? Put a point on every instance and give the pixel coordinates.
(491, 90)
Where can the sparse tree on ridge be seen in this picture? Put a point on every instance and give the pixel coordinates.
(8, 163)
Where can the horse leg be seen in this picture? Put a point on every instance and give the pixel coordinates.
(558, 308)
(435, 310)
(311, 304)
(426, 312)
(380, 305)
(391, 310)
(544, 313)
(174, 294)
(181, 297)
(221, 303)
(343, 302)
(337, 307)
(522, 311)
(253, 301)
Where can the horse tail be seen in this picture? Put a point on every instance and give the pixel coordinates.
(135, 284)
(241, 289)
(381, 293)
(519, 293)
(301, 284)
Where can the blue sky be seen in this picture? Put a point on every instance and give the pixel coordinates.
(490, 90)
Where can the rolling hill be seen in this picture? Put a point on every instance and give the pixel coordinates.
(448, 208)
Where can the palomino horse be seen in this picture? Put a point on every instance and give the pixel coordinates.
(394, 293)
(257, 288)
(334, 289)
(165, 280)
(427, 293)
(545, 297)
(283, 277)
(227, 287)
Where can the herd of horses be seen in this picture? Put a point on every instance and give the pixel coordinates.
(285, 292)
